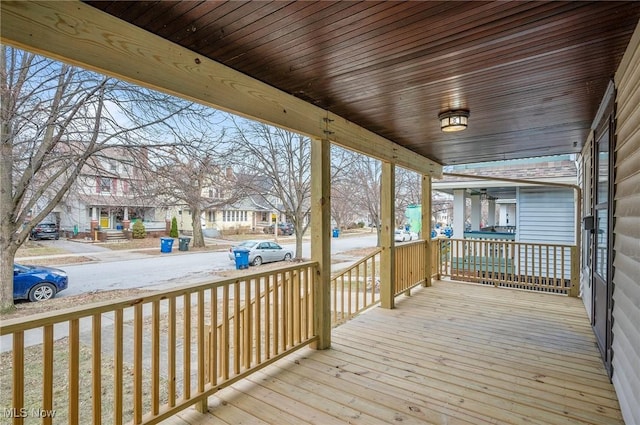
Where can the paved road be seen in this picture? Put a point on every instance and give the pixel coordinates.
(137, 269)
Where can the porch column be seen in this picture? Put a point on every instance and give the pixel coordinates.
(94, 218)
(320, 239)
(387, 244)
(459, 207)
(491, 218)
(125, 219)
(476, 212)
(426, 227)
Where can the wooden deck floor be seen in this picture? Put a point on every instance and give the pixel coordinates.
(450, 354)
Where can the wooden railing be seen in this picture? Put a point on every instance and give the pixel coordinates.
(355, 288)
(411, 266)
(141, 360)
(532, 266)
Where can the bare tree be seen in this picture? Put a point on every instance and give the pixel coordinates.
(280, 162)
(57, 119)
(198, 176)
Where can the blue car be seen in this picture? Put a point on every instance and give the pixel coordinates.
(37, 283)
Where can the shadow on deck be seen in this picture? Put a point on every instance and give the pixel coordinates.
(453, 353)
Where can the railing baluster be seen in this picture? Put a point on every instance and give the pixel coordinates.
(258, 319)
(137, 364)
(74, 371)
(186, 346)
(96, 368)
(17, 393)
(155, 357)
(267, 317)
(118, 360)
(171, 355)
(213, 338)
(297, 300)
(202, 373)
(47, 378)
(247, 349)
(236, 327)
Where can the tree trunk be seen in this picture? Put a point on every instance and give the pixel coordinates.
(198, 239)
(7, 255)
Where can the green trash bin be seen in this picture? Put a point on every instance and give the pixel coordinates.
(183, 244)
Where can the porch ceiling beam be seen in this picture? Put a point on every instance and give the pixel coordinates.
(79, 34)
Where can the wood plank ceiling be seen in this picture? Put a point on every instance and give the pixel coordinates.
(531, 73)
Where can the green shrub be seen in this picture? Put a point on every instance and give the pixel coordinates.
(174, 228)
(138, 230)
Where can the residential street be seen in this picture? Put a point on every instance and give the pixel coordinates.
(139, 269)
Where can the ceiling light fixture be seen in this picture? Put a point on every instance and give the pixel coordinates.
(451, 121)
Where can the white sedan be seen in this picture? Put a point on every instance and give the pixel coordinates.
(402, 235)
(263, 252)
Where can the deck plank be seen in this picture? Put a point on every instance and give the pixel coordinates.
(452, 353)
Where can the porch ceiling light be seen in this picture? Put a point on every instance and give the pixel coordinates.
(451, 121)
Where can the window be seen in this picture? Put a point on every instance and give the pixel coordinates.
(212, 215)
(104, 184)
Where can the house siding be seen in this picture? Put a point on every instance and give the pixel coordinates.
(626, 245)
(547, 215)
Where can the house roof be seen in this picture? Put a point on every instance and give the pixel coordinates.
(556, 169)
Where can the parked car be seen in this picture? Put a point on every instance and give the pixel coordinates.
(285, 229)
(37, 283)
(401, 235)
(45, 231)
(263, 252)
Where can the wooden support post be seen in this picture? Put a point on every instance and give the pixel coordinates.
(575, 272)
(387, 244)
(426, 228)
(321, 239)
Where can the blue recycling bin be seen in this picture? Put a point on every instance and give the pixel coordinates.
(166, 244)
(241, 256)
(336, 232)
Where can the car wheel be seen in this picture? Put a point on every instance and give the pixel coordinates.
(257, 261)
(287, 257)
(41, 292)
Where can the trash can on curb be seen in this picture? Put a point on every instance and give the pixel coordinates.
(166, 244)
(183, 244)
(336, 232)
(241, 256)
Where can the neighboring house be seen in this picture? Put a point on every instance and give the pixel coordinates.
(107, 195)
(519, 207)
(244, 215)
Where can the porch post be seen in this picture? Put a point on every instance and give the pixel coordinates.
(125, 219)
(320, 239)
(94, 218)
(426, 227)
(491, 216)
(459, 212)
(387, 244)
(476, 212)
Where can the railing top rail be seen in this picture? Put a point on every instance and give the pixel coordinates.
(356, 264)
(507, 242)
(43, 319)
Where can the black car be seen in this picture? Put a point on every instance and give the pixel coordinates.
(285, 229)
(45, 231)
